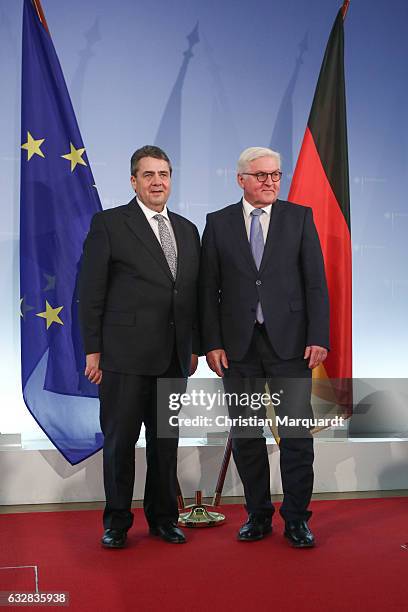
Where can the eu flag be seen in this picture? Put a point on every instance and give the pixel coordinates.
(58, 199)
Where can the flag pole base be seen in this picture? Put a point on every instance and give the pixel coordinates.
(199, 515)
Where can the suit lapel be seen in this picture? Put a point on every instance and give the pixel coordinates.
(239, 235)
(139, 225)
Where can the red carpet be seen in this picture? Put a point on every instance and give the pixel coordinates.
(359, 563)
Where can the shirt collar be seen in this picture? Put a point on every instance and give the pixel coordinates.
(248, 208)
(151, 213)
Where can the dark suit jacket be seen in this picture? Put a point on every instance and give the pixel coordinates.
(130, 307)
(290, 283)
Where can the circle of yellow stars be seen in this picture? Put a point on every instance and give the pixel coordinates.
(33, 147)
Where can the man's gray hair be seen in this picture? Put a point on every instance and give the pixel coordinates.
(254, 153)
(147, 151)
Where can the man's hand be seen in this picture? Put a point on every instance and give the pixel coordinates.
(217, 359)
(92, 371)
(316, 355)
(193, 364)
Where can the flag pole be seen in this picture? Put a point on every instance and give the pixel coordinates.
(40, 13)
(344, 8)
(223, 472)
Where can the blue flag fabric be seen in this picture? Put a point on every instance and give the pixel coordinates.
(57, 201)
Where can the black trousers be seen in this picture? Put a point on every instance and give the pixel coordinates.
(261, 364)
(127, 401)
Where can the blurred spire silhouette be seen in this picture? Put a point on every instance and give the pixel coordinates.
(92, 36)
(282, 135)
(224, 143)
(168, 135)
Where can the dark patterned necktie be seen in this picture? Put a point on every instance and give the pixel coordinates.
(167, 244)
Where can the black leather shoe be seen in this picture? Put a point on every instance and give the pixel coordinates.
(114, 538)
(169, 533)
(254, 529)
(299, 534)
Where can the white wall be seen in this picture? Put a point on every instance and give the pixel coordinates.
(43, 476)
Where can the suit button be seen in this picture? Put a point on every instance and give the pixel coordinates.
(258, 282)
(175, 292)
(171, 322)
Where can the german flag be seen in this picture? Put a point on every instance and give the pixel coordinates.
(321, 180)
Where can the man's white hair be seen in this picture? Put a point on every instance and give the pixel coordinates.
(254, 153)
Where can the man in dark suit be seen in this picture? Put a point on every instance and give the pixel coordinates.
(265, 314)
(138, 297)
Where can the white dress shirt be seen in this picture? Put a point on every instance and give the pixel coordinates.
(264, 219)
(154, 224)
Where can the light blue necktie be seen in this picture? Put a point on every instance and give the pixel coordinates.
(256, 240)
